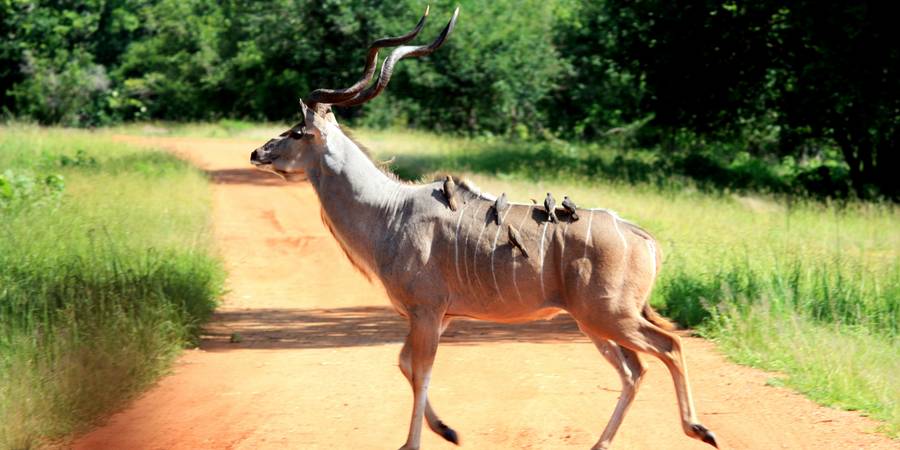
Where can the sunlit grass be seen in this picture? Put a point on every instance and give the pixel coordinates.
(225, 128)
(845, 367)
(102, 279)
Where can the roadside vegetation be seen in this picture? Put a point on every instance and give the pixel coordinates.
(106, 272)
(720, 79)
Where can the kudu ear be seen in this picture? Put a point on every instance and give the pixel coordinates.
(303, 109)
(318, 110)
(309, 115)
(329, 115)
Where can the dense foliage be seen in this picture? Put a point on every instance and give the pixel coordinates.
(813, 81)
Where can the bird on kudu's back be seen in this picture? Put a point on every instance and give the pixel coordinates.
(570, 208)
(450, 192)
(550, 206)
(515, 239)
(499, 206)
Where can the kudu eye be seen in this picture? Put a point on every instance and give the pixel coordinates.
(296, 134)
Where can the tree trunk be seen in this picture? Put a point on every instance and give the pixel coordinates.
(851, 157)
(887, 164)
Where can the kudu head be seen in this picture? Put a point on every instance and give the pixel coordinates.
(293, 151)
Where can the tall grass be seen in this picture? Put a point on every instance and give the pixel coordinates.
(224, 128)
(106, 271)
(711, 170)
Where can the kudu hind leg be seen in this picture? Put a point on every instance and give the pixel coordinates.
(434, 422)
(641, 335)
(424, 334)
(631, 371)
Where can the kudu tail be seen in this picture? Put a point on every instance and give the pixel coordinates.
(657, 319)
(648, 312)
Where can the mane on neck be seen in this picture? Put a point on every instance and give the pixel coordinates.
(467, 185)
(383, 166)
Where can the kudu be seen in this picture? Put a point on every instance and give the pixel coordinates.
(437, 264)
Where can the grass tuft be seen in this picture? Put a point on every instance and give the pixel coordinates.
(106, 272)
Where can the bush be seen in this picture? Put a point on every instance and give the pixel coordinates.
(69, 89)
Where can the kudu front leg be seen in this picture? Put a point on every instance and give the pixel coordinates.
(424, 334)
(434, 422)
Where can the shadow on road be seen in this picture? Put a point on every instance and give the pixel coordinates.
(246, 176)
(362, 326)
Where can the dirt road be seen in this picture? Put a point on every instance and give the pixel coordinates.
(316, 365)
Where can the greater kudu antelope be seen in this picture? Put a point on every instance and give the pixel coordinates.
(438, 264)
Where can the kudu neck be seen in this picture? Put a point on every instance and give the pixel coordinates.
(345, 171)
(359, 202)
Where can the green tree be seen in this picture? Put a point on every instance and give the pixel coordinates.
(817, 70)
(597, 93)
(703, 63)
(48, 68)
(837, 78)
(492, 74)
(175, 68)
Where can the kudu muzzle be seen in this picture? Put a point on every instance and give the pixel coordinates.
(263, 155)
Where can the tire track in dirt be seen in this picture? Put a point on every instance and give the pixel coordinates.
(316, 366)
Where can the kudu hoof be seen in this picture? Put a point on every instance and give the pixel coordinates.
(447, 433)
(702, 433)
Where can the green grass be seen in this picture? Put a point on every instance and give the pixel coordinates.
(711, 170)
(844, 367)
(106, 272)
(225, 128)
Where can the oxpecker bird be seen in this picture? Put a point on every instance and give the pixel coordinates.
(450, 192)
(570, 207)
(516, 240)
(499, 206)
(550, 206)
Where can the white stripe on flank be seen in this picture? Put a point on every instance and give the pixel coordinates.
(616, 224)
(562, 249)
(515, 284)
(587, 240)
(493, 251)
(475, 253)
(466, 250)
(543, 233)
(652, 255)
(456, 241)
